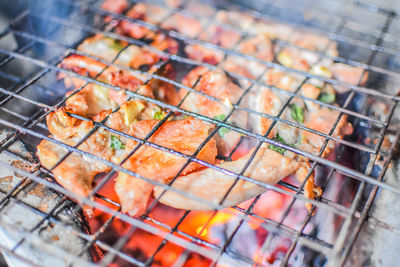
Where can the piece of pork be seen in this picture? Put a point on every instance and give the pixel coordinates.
(216, 84)
(184, 136)
(211, 185)
(141, 11)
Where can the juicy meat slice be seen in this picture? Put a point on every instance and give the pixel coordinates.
(133, 193)
(63, 126)
(282, 80)
(259, 46)
(141, 11)
(306, 56)
(184, 136)
(349, 74)
(323, 121)
(217, 35)
(136, 57)
(241, 67)
(91, 100)
(272, 29)
(216, 84)
(201, 53)
(211, 185)
(81, 65)
(313, 116)
(311, 191)
(200, 9)
(236, 19)
(296, 58)
(94, 98)
(212, 83)
(220, 36)
(313, 42)
(129, 112)
(266, 102)
(101, 46)
(164, 42)
(133, 56)
(76, 172)
(188, 26)
(116, 6)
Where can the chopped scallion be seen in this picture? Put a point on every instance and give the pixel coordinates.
(297, 113)
(116, 143)
(326, 98)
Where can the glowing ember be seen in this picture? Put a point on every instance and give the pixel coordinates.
(212, 227)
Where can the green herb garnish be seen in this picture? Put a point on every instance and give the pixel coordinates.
(114, 44)
(326, 98)
(220, 117)
(297, 113)
(278, 149)
(221, 131)
(280, 139)
(159, 115)
(116, 143)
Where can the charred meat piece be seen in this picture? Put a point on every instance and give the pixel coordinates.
(164, 43)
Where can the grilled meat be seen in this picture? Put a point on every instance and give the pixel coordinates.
(215, 84)
(146, 12)
(76, 172)
(23, 212)
(211, 185)
(138, 118)
(184, 136)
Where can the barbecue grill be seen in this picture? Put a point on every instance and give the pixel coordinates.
(355, 221)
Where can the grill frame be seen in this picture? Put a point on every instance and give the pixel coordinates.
(350, 214)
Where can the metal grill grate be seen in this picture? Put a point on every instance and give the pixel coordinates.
(23, 111)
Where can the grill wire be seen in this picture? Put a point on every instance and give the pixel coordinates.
(31, 127)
